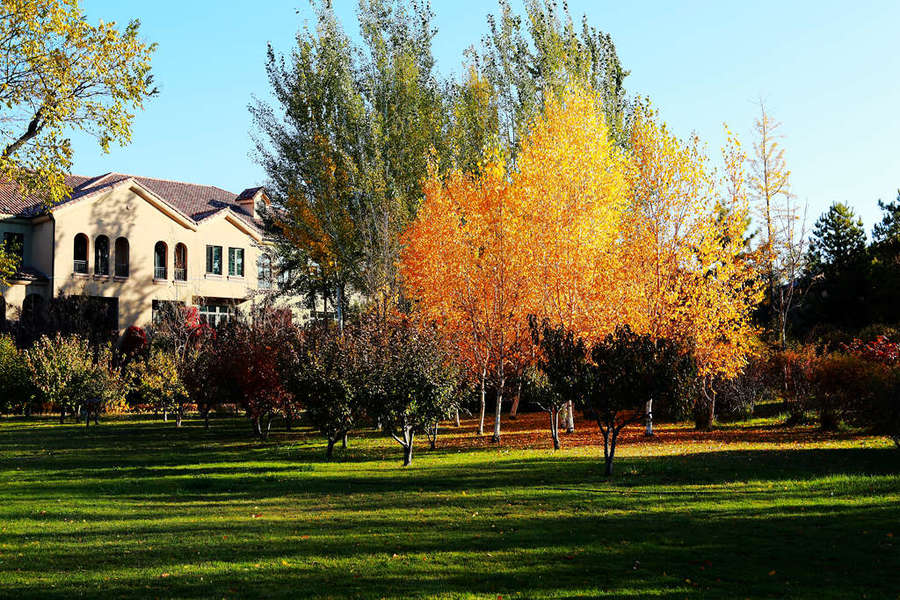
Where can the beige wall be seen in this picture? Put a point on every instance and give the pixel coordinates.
(124, 212)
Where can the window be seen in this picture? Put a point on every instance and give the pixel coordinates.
(264, 272)
(236, 262)
(214, 260)
(180, 262)
(81, 254)
(101, 255)
(215, 314)
(122, 257)
(160, 260)
(14, 244)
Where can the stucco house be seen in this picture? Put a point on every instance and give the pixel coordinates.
(138, 242)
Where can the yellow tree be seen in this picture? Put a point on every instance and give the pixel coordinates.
(59, 72)
(571, 186)
(693, 279)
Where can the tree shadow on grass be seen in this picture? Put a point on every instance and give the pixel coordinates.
(135, 503)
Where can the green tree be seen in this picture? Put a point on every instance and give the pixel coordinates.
(347, 149)
(526, 58)
(885, 269)
(404, 378)
(58, 73)
(838, 268)
(314, 149)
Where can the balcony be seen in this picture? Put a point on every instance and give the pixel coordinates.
(160, 273)
(81, 266)
(180, 274)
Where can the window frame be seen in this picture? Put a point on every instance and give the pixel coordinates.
(210, 260)
(164, 269)
(233, 254)
(85, 267)
(118, 254)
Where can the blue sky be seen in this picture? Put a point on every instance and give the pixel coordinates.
(830, 71)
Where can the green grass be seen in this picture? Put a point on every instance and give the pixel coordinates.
(136, 508)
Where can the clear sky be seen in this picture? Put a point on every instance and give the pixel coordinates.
(830, 71)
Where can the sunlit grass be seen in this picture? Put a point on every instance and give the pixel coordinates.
(136, 508)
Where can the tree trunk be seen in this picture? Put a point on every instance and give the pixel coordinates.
(408, 447)
(514, 411)
(554, 427)
(705, 411)
(329, 451)
(62, 415)
(178, 416)
(433, 438)
(456, 415)
(481, 421)
(206, 419)
(648, 431)
(570, 417)
(344, 441)
(165, 416)
(496, 437)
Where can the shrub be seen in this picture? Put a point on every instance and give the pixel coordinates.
(737, 397)
(847, 387)
(793, 370)
(16, 387)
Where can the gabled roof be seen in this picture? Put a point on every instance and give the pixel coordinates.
(198, 202)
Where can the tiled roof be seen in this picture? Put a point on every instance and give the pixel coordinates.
(195, 201)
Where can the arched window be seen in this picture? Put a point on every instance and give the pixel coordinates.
(101, 255)
(121, 257)
(160, 260)
(81, 254)
(180, 262)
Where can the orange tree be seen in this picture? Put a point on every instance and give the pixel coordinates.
(463, 263)
(587, 237)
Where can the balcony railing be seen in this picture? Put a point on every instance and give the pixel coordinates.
(81, 266)
(160, 273)
(180, 274)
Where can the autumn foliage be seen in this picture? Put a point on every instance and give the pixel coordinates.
(587, 236)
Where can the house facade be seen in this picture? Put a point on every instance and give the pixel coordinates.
(138, 243)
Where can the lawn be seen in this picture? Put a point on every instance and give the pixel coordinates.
(138, 508)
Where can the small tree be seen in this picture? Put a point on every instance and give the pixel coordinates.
(405, 379)
(156, 382)
(627, 370)
(70, 374)
(560, 375)
(319, 379)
